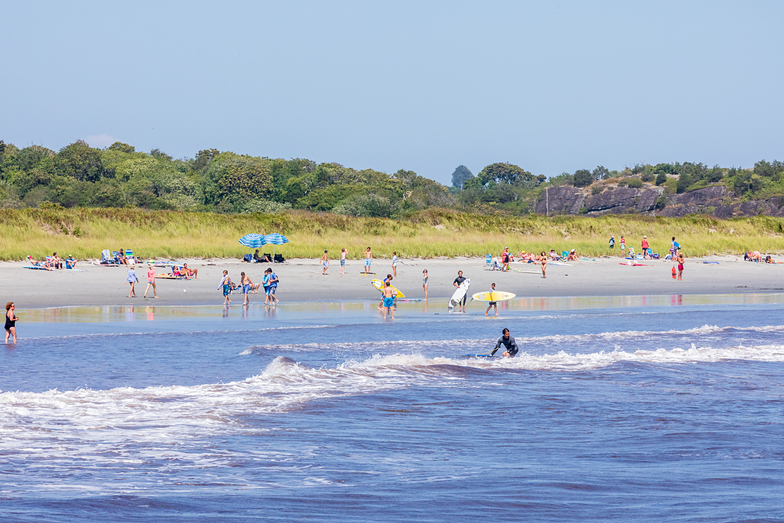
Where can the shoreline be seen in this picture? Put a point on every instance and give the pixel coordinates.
(301, 281)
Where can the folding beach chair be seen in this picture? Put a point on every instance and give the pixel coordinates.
(489, 262)
(107, 258)
(129, 255)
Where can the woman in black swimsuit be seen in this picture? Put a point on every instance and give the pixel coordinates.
(10, 321)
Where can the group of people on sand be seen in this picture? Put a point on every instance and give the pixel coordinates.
(269, 281)
(53, 262)
(755, 256)
(368, 261)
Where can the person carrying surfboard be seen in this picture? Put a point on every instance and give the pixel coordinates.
(459, 281)
(492, 304)
(508, 342)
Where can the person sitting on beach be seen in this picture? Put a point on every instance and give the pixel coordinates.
(56, 262)
(122, 259)
(554, 255)
(572, 256)
(35, 263)
(70, 263)
(753, 256)
(768, 259)
(189, 273)
(259, 259)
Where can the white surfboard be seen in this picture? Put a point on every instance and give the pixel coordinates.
(459, 293)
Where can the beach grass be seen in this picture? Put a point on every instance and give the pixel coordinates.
(84, 233)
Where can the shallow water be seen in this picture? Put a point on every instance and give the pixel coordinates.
(619, 408)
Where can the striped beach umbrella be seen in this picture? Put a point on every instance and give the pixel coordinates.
(275, 239)
(254, 240)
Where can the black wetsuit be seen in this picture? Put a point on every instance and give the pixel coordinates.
(509, 343)
(458, 281)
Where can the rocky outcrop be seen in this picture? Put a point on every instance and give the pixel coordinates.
(652, 200)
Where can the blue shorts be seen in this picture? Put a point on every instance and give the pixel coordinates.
(271, 290)
(226, 290)
(367, 262)
(388, 302)
(342, 263)
(245, 289)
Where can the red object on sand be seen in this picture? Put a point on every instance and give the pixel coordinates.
(673, 273)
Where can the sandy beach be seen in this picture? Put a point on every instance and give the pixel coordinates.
(301, 280)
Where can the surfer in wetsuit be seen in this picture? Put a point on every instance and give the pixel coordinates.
(507, 341)
(459, 281)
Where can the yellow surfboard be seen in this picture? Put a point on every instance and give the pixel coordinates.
(379, 285)
(493, 296)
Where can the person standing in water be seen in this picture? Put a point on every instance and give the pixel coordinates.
(151, 281)
(457, 283)
(389, 300)
(132, 279)
(424, 282)
(508, 342)
(225, 285)
(273, 287)
(492, 304)
(343, 254)
(368, 260)
(10, 321)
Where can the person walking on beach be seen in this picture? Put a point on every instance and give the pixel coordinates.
(225, 285)
(457, 283)
(680, 260)
(324, 263)
(424, 282)
(343, 254)
(151, 281)
(273, 287)
(505, 260)
(674, 248)
(612, 244)
(10, 321)
(132, 279)
(368, 260)
(543, 259)
(508, 342)
(492, 304)
(389, 300)
(394, 263)
(247, 286)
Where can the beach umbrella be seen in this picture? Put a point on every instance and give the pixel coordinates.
(253, 240)
(275, 239)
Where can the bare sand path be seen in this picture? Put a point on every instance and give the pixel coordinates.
(301, 280)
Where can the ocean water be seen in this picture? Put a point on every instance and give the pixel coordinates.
(643, 408)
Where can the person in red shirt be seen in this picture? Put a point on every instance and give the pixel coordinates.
(645, 246)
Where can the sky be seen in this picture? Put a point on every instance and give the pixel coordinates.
(425, 86)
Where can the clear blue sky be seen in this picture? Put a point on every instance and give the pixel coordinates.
(425, 86)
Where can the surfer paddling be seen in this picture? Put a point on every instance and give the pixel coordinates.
(508, 342)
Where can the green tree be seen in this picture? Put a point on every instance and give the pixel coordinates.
(122, 147)
(79, 161)
(460, 176)
(583, 178)
(661, 178)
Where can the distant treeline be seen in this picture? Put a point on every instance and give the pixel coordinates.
(224, 182)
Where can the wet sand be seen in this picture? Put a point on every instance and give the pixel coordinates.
(301, 280)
